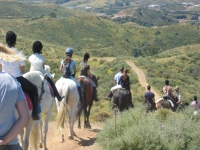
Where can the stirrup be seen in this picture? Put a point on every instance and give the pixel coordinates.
(35, 118)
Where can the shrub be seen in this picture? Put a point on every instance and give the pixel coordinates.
(137, 130)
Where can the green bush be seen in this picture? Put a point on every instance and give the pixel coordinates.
(162, 130)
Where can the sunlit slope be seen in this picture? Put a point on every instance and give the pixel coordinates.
(180, 65)
(21, 10)
(103, 37)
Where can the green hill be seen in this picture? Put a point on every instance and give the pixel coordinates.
(179, 65)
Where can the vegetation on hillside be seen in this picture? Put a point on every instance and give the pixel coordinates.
(180, 66)
(162, 130)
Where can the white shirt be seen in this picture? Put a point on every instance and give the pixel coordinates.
(117, 77)
(12, 68)
(37, 62)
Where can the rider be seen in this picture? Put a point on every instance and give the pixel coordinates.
(37, 64)
(149, 97)
(195, 103)
(177, 96)
(116, 80)
(16, 69)
(124, 81)
(68, 68)
(85, 71)
(167, 91)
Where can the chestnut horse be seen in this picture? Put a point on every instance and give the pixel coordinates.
(87, 92)
(166, 103)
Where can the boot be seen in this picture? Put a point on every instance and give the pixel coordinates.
(35, 115)
(55, 91)
(109, 97)
(94, 96)
(80, 94)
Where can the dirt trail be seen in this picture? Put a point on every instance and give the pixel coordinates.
(142, 78)
(84, 140)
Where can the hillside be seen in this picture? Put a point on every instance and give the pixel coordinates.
(179, 65)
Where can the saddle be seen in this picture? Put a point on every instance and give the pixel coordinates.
(29, 103)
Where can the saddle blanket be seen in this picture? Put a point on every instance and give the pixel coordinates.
(29, 103)
(116, 87)
(167, 99)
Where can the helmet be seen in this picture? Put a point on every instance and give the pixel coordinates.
(37, 47)
(11, 38)
(177, 88)
(86, 56)
(69, 51)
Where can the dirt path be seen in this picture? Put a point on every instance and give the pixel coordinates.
(142, 78)
(85, 139)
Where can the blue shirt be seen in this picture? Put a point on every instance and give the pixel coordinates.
(149, 96)
(72, 64)
(117, 77)
(10, 94)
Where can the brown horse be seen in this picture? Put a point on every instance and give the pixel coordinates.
(166, 103)
(87, 92)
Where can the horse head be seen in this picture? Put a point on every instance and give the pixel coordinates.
(47, 68)
(95, 80)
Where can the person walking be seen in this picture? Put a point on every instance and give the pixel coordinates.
(11, 98)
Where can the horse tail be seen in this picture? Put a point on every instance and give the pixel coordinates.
(81, 106)
(34, 140)
(60, 119)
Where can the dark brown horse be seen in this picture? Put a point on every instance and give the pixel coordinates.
(121, 99)
(87, 92)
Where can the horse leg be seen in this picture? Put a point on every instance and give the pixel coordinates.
(79, 116)
(41, 135)
(88, 115)
(71, 124)
(85, 117)
(27, 131)
(45, 129)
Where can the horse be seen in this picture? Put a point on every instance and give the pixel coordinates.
(87, 92)
(39, 127)
(167, 103)
(150, 105)
(69, 103)
(121, 99)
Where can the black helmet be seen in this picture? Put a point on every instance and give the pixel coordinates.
(86, 56)
(37, 47)
(11, 38)
(69, 51)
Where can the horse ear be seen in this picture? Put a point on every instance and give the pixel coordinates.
(53, 75)
(98, 78)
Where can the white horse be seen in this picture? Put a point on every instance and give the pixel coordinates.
(67, 87)
(40, 127)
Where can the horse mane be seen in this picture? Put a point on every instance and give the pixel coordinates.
(11, 55)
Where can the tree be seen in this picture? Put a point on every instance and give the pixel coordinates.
(52, 15)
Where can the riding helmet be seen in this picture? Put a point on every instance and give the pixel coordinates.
(69, 51)
(177, 88)
(11, 38)
(86, 56)
(37, 47)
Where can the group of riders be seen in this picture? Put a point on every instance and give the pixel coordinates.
(168, 95)
(67, 68)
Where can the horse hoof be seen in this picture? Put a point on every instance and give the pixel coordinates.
(62, 141)
(45, 149)
(71, 138)
(79, 127)
(40, 146)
